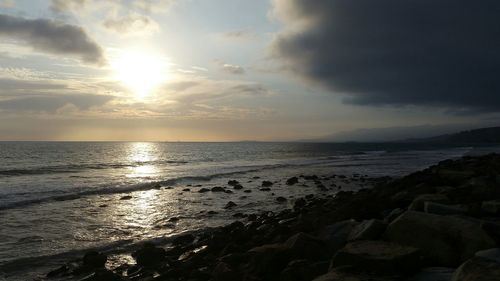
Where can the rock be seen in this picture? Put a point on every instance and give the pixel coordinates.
(491, 207)
(378, 256)
(103, 275)
(238, 186)
(58, 272)
(218, 189)
(299, 270)
(203, 190)
(477, 269)
(247, 191)
(186, 189)
(353, 276)
(418, 203)
(126, 197)
(233, 182)
(292, 181)
(299, 203)
(269, 260)
(149, 255)
(230, 205)
(265, 189)
(228, 191)
(222, 272)
(281, 199)
(443, 240)
(336, 235)
(491, 254)
(302, 245)
(441, 209)
(393, 215)
(433, 274)
(266, 183)
(212, 212)
(367, 230)
(455, 176)
(183, 239)
(94, 259)
(313, 177)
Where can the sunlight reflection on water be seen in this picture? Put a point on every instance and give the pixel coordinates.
(142, 153)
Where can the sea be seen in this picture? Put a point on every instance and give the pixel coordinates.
(61, 199)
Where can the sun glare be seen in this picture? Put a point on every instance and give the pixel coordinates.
(142, 72)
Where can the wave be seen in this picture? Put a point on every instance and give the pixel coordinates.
(146, 186)
(76, 168)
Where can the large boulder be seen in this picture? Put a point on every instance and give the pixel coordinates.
(299, 270)
(442, 209)
(443, 240)
(368, 230)
(491, 254)
(337, 234)
(418, 203)
(305, 246)
(433, 274)
(269, 260)
(491, 207)
(149, 255)
(478, 269)
(353, 276)
(379, 257)
(223, 272)
(94, 259)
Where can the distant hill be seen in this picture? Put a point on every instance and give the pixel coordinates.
(483, 135)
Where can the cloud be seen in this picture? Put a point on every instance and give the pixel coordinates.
(387, 52)
(51, 103)
(192, 90)
(233, 69)
(52, 37)
(66, 5)
(241, 34)
(131, 24)
(144, 6)
(7, 4)
(24, 91)
(153, 6)
(230, 68)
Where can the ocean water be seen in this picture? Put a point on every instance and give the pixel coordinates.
(59, 199)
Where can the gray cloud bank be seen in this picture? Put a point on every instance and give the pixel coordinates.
(51, 103)
(52, 37)
(396, 52)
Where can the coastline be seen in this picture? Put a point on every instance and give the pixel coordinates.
(372, 233)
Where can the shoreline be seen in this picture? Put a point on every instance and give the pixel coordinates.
(359, 235)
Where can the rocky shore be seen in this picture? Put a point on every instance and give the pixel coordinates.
(442, 223)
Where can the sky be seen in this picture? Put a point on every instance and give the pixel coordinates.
(232, 70)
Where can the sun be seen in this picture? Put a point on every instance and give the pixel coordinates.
(141, 71)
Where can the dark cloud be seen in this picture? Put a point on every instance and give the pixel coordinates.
(52, 37)
(51, 103)
(442, 53)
